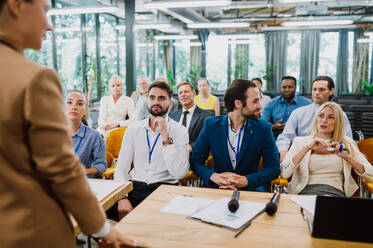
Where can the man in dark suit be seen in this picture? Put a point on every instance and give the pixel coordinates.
(237, 141)
(190, 115)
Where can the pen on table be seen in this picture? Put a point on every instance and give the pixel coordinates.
(303, 213)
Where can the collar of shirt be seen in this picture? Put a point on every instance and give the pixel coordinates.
(293, 101)
(191, 110)
(80, 131)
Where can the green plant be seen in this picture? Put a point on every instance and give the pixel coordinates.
(367, 88)
(194, 74)
(171, 80)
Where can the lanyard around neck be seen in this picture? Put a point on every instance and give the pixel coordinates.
(151, 149)
(238, 143)
(81, 138)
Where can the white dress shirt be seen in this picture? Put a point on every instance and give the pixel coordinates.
(168, 163)
(233, 138)
(188, 117)
(300, 124)
(264, 100)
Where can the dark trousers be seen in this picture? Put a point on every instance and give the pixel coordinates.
(139, 192)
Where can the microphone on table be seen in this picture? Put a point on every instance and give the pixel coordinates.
(271, 206)
(233, 204)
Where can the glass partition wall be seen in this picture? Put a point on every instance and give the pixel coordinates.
(91, 47)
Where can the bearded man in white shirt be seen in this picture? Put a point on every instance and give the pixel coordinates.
(158, 148)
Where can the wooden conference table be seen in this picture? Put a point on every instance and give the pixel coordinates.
(110, 199)
(286, 228)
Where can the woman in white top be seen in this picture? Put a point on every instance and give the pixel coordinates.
(321, 163)
(115, 108)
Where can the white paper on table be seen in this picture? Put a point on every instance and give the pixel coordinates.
(218, 213)
(185, 205)
(307, 202)
(103, 188)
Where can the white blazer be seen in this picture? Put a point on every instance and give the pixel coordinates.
(300, 173)
(111, 112)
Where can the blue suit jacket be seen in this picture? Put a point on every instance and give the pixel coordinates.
(257, 141)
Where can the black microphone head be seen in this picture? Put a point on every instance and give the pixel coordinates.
(233, 205)
(271, 208)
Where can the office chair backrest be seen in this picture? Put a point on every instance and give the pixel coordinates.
(366, 147)
(113, 145)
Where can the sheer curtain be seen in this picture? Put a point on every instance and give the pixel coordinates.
(309, 59)
(342, 63)
(360, 64)
(276, 53)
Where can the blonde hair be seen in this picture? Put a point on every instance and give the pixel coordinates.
(115, 78)
(339, 127)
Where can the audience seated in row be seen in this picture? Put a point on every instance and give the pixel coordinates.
(140, 98)
(190, 116)
(264, 99)
(115, 108)
(278, 110)
(87, 142)
(301, 119)
(237, 142)
(204, 99)
(158, 148)
(321, 164)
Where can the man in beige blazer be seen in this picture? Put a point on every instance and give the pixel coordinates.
(41, 180)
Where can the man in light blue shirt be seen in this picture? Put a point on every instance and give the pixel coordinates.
(300, 121)
(278, 110)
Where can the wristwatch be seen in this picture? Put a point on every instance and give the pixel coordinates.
(169, 141)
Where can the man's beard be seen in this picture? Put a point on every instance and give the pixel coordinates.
(157, 113)
(250, 115)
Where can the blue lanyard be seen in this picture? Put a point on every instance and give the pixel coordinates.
(238, 143)
(81, 138)
(152, 149)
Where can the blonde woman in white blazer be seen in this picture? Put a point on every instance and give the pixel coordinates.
(322, 162)
(115, 108)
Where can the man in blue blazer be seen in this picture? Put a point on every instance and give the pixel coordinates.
(190, 115)
(237, 141)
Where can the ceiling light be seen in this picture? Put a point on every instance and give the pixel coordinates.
(187, 43)
(239, 42)
(82, 10)
(219, 25)
(235, 36)
(370, 34)
(280, 28)
(316, 23)
(301, 1)
(175, 37)
(365, 40)
(186, 4)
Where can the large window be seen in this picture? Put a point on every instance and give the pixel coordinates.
(328, 54)
(144, 53)
(45, 55)
(216, 63)
(160, 67)
(108, 50)
(257, 58)
(69, 51)
(293, 55)
(182, 60)
(351, 36)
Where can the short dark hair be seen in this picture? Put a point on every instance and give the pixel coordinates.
(289, 78)
(162, 84)
(258, 79)
(325, 78)
(329, 80)
(186, 83)
(2, 3)
(237, 91)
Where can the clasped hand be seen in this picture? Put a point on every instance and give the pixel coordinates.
(229, 180)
